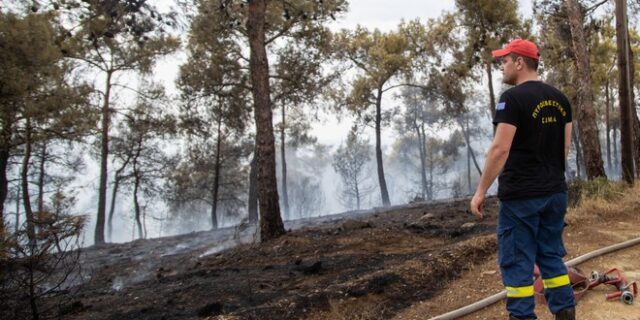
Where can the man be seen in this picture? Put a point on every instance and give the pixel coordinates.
(529, 151)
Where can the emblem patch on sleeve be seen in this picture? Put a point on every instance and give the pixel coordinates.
(501, 106)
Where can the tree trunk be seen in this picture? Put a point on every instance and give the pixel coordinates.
(114, 193)
(470, 187)
(4, 182)
(586, 113)
(43, 158)
(632, 109)
(26, 198)
(608, 124)
(116, 184)
(136, 187)
(423, 165)
(216, 177)
(357, 191)
(578, 144)
(144, 224)
(430, 194)
(136, 202)
(428, 183)
(17, 226)
(35, 314)
(636, 129)
(614, 141)
(492, 96)
(5, 146)
(422, 141)
(467, 139)
(271, 225)
(624, 96)
(104, 155)
(283, 158)
(253, 191)
(381, 180)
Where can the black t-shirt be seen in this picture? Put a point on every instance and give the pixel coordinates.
(535, 166)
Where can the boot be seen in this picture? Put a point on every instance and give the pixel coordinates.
(511, 317)
(566, 314)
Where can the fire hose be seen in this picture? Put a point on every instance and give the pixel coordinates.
(503, 294)
(626, 290)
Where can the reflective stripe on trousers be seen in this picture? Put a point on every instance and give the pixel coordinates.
(530, 231)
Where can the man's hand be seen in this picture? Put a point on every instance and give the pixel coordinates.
(476, 205)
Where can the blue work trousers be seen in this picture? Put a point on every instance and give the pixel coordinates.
(530, 231)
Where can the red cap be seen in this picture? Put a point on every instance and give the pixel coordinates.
(524, 48)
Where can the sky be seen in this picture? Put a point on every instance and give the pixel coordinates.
(386, 15)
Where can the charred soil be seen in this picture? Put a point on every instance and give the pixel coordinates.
(366, 265)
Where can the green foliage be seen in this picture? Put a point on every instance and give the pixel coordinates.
(378, 56)
(488, 25)
(192, 181)
(296, 36)
(141, 143)
(101, 21)
(35, 81)
(115, 35)
(40, 99)
(555, 45)
(599, 188)
(113, 38)
(26, 51)
(214, 115)
(297, 18)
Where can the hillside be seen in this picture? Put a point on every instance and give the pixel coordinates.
(405, 262)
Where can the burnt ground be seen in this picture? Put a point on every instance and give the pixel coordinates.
(373, 263)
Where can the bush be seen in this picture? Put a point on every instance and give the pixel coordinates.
(599, 188)
(34, 269)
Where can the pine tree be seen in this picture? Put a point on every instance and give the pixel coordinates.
(350, 162)
(40, 103)
(267, 22)
(114, 37)
(379, 57)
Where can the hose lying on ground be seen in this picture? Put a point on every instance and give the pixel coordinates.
(503, 294)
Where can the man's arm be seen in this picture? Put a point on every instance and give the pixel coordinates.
(567, 139)
(496, 158)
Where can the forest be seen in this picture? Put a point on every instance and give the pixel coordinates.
(96, 147)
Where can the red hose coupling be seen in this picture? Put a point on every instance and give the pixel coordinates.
(626, 293)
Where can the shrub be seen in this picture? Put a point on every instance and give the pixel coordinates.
(599, 188)
(33, 270)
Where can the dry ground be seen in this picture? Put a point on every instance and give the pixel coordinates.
(592, 225)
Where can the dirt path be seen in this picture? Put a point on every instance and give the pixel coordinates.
(581, 236)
